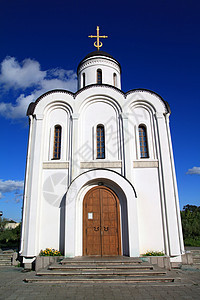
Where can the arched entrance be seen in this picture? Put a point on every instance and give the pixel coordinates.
(101, 223)
(75, 195)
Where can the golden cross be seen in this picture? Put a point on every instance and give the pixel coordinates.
(98, 44)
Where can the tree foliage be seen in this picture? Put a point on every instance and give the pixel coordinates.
(3, 222)
(190, 216)
(9, 238)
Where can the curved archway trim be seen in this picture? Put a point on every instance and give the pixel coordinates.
(73, 209)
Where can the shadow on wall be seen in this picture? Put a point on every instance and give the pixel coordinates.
(62, 225)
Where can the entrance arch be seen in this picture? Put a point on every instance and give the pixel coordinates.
(74, 210)
(101, 223)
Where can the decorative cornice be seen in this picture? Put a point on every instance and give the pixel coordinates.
(99, 86)
(32, 105)
(100, 164)
(99, 53)
(141, 90)
(56, 165)
(145, 164)
(52, 92)
(92, 62)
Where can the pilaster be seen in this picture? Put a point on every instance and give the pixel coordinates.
(33, 190)
(168, 195)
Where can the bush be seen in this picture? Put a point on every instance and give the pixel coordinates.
(192, 242)
(10, 238)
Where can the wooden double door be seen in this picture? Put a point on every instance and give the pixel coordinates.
(101, 223)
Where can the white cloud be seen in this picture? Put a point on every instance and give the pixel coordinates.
(9, 186)
(18, 197)
(16, 75)
(194, 170)
(27, 75)
(17, 110)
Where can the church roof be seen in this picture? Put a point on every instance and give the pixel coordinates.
(98, 53)
(32, 105)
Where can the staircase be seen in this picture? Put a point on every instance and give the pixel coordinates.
(196, 257)
(99, 270)
(6, 258)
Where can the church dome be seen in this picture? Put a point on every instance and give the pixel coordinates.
(99, 67)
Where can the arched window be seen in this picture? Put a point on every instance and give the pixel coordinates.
(115, 79)
(143, 142)
(83, 79)
(100, 141)
(99, 76)
(57, 142)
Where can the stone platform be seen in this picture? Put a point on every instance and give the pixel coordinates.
(103, 269)
(12, 286)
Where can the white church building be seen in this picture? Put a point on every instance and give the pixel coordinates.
(100, 176)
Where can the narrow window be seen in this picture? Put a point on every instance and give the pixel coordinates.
(143, 142)
(115, 79)
(83, 79)
(99, 76)
(100, 141)
(57, 142)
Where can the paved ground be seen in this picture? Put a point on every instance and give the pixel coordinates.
(13, 287)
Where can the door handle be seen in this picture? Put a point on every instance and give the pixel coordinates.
(106, 228)
(96, 228)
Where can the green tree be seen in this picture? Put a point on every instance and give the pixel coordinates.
(3, 222)
(190, 216)
(9, 238)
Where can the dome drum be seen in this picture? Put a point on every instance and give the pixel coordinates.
(99, 68)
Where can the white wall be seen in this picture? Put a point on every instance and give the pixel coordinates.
(56, 116)
(149, 210)
(98, 112)
(51, 233)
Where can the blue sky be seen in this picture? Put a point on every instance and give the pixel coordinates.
(41, 44)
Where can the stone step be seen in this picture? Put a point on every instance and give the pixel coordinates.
(195, 252)
(125, 279)
(100, 273)
(99, 267)
(5, 259)
(101, 261)
(5, 263)
(5, 256)
(99, 270)
(196, 256)
(194, 249)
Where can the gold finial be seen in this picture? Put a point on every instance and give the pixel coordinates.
(98, 44)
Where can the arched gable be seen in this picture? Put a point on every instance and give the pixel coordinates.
(149, 97)
(51, 98)
(123, 99)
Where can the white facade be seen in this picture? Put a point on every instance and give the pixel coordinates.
(55, 188)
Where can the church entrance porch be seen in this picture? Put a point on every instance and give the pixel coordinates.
(119, 191)
(101, 223)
